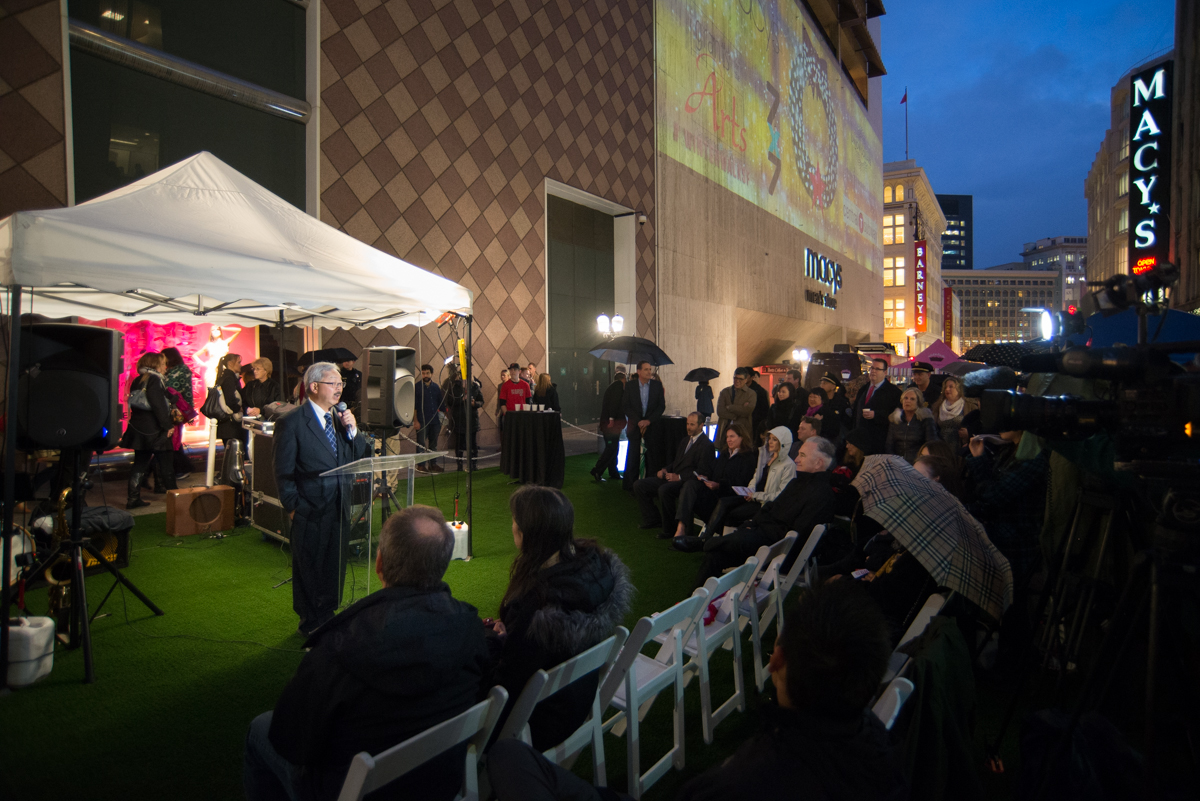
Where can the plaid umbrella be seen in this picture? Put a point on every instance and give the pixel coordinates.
(935, 528)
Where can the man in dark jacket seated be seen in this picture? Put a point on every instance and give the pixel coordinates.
(819, 742)
(806, 501)
(401, 660)
(693, 457)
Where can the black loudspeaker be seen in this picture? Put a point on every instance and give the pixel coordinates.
(389, 388)
(67, 390)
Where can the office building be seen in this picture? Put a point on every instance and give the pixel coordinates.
(1068, 256)
(512, 147)
(911, 213)
(958, 241)
(993, 301)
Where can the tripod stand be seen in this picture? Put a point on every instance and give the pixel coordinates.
(79, 628)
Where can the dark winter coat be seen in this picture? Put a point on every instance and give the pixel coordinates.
(231, 403)
(762, 404)
(258, 394)
(905, 437)
(612, 410)
(836, 416)
(733, 471)
(428, 402)
(1009, 499)
(389, 667)
(456, 404)
(572, 606)
(804, 755)
(149, 430)
(884, 401)
(550, 399)
(782, 413)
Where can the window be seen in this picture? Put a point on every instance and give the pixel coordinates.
(893, 272)
(1123, 184)
(893, 312)
(893, 229)
(900, 187)
(1123, 153)
(1123, 221)
(887, 194)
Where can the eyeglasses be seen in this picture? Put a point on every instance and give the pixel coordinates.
(337, 384)
(878, 369)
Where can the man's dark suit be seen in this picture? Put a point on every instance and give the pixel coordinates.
(806, 501)
(321, 506)
(612, 423)
(696, 460)
(635, 414)
(884, 401)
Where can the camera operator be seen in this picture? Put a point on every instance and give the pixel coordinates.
(1008, 478)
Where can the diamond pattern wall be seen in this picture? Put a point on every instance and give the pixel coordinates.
(441, 120)
(33, 161)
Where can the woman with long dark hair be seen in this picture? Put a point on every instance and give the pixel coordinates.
(546, 393)
(734, 467)
(179, 378)
(148, 433)
(783, 410)
(230, 386)
(564, 595)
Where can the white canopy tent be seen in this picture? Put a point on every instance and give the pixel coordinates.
(198, 242)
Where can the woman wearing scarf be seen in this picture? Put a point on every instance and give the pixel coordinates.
(950, 409)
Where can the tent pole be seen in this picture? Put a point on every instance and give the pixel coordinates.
(283, 376)
(469, 390)
(10, 475)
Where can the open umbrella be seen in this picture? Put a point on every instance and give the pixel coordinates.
(335, 355)
(935, 528)
(631, 350)
(701, 374)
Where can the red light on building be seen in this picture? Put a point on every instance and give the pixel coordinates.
(1144, 264)
(1072, 308)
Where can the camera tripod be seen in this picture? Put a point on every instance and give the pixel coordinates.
(79, 627)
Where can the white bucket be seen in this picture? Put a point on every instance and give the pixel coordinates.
(460, 541)
(30, 649)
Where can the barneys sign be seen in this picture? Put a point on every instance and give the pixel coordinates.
(922, 296)
(1150, 143)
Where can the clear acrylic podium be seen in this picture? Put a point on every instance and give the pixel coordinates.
(359, 525)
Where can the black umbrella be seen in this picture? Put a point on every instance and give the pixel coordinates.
(701, 374)
(631, 350)
(335, 355)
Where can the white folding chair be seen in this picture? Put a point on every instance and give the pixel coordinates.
(801, 567)
(543, 684)
(932, 607)
(368, 773)
(758, 602)
(636, 680)
(888, 707)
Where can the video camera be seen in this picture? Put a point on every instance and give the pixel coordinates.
(1152, 408)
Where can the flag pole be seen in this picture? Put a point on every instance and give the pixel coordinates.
(906, 123)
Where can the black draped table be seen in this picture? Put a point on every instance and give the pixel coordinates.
(531, 449)
(662, 440)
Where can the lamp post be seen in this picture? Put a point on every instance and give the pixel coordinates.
(909, 334)
(610, 327)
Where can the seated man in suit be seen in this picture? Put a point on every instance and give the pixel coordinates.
(806, 501)
(406, 657)
(694, 457)
(645, 403)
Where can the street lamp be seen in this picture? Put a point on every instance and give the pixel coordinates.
(610, 328)
(909, 334)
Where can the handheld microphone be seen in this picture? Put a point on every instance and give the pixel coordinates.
(340, 406)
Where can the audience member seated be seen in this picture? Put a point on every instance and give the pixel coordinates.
(404, 658)
(733, 467)
(806, 429)
(783, 410)
(564, 595)
(774, 472)
(941, 470)
(806, 501)
(693, 456)
(546, 393)
(858, 442)
(818, 740)
(910, 426)
(949, 410)
(942, 451)
(891, 575)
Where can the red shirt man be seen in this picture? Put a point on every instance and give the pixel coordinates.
(514, 391)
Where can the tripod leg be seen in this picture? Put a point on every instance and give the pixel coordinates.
(79, 613)
(119, 576)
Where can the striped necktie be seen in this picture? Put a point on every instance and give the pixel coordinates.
(329, 433)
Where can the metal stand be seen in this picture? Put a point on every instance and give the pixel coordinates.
(79, 628)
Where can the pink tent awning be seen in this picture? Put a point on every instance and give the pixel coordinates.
(939, 355)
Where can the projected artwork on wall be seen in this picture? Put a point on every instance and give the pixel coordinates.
(749, 96)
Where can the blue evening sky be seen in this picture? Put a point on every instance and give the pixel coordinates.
(1009, 101)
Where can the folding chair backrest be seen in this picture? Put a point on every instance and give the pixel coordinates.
(769, 558)
(732, 585)
(681, 614)
(801, 564)
(368, 773)
(888, 707)
(545, 683)
(933, 605)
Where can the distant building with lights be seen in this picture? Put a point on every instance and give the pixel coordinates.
(910, 210)
(992, 302)
(1067, 255)
(958, 240)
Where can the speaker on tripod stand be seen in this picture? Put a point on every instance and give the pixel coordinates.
(389, 388)
(67, 400)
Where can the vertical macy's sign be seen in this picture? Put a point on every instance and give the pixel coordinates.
(1150, 144)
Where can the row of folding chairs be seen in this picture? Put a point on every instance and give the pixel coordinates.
(683, 640)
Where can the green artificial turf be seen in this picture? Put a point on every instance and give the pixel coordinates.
(173, 694)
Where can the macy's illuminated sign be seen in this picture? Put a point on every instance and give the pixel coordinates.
(1150, 144)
